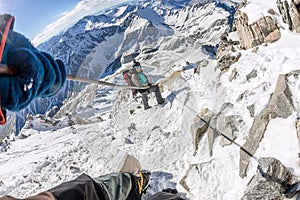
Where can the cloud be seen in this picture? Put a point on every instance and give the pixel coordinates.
(67, 19)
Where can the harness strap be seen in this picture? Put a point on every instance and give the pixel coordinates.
(140, 183)
(2, 115)
(2, 45)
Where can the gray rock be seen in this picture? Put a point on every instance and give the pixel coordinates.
(280, 105)
(200, 126)
(272, 187)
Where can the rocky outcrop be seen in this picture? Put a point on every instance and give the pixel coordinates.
(226, 126)
(280, 105)
(213, 125)
(290, 14)
(298, 129)
(227, 60)
(227, 53)
(261, 31)
(270, 181)
(200, 126)
(9, 128)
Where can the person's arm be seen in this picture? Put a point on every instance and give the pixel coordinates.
(38, 74)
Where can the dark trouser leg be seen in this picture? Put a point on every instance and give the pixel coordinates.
(145, 99)
(157, 93)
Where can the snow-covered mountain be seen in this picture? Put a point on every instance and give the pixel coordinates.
(96, 46)
(98, 125)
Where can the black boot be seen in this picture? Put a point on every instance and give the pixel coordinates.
(158, 96)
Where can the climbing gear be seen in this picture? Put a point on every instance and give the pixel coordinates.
(2, 114)
(9, 72)
(127, 76)
(140, 183)
(143, 181)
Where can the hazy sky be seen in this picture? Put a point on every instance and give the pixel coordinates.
(48, 17)
(32, 16)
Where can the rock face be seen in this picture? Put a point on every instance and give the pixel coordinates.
(199, 127)
(227, 53)
(277, 176)
(280, 105)
(261, 31)
(213, 125)
(290, 14)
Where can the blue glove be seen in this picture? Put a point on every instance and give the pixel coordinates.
(38, 75)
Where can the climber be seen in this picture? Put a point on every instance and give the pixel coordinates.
(28, 74)
(113, 186)
(139, 79)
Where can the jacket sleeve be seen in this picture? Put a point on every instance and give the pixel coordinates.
(37, 74)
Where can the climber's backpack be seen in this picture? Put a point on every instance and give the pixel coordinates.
(127, 75)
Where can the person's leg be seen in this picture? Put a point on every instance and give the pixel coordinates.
(157, 93)
(83, 187)
(120, 186)
(145, 98)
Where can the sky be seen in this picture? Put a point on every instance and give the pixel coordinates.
(49, 17)
(108, 124)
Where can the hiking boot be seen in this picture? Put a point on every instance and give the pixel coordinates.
(147, 107)
(161, 101)
(143, 181)
(170, 190)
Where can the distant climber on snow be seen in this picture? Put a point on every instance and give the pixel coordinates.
(27, 73)
(140, 79)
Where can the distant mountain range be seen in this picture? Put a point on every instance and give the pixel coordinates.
(97, 46)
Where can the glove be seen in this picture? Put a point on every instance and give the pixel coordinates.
(149, 85)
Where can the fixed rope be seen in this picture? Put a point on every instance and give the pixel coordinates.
(87, 80)
(6, 71)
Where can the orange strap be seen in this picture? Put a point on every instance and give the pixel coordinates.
(4, 36)
(2, 45)
(2, 116)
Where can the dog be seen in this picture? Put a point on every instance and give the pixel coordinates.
(168, 81)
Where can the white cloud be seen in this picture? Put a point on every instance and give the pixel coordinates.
(83, 8)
